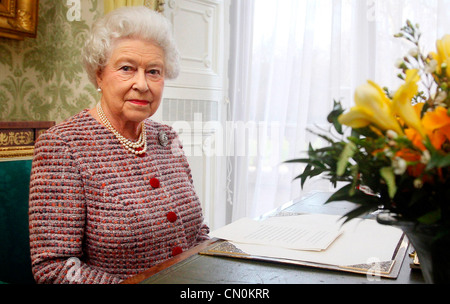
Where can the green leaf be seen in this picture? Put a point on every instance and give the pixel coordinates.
(355, 179)
(387, 173)
(346, 154)
(366, 202)
(298, 160)
(309, 172)
(438, 160)
(359, 211)
(334, 115)
(431, 217)
(340, 195)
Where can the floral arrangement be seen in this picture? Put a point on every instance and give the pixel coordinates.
(395, 155)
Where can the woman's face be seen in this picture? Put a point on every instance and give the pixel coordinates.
(132, 82)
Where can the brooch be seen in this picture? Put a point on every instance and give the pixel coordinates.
(163, 139)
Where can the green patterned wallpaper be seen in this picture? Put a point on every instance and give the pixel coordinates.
(43, 78)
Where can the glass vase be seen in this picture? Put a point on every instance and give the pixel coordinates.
(431, 247)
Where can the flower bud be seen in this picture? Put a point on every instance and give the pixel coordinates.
(444, 68)
(391, 134)
(399, 63)
(441, 97)
(431, 66)
(399, 165)
(425, 158)
(418, 183)
(414, 52)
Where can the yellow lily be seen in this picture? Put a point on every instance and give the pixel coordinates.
(443, 54)
(412, 134)
(372, 107)
(402, 102)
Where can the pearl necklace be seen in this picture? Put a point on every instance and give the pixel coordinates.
(138, 148)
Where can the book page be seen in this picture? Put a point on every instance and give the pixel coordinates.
(360, 241)
(279, 232)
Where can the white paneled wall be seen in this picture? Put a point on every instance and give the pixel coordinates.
(199, 32)
(196, 99)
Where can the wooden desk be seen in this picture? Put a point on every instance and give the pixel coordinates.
(193, 268)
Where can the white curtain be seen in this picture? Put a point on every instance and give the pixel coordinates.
(289, 60)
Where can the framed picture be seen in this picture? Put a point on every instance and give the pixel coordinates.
(18, 18)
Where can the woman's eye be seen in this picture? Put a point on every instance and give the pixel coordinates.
(126, 68)
(154, 72)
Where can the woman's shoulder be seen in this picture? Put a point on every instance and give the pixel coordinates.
(76, 125)
(157, 127)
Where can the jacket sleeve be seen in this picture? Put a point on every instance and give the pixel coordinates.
(202, 235)
(177, 149)
(57, 217)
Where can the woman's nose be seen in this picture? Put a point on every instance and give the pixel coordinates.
(140, 83)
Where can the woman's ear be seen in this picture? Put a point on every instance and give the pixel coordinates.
(99, 78)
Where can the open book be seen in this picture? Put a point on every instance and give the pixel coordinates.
(319, 240)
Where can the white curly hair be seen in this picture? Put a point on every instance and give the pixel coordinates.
(137, 22)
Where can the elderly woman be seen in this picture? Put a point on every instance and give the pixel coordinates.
(111, 192)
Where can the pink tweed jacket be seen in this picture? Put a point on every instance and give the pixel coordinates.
(100, 214)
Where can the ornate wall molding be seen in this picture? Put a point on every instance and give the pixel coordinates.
(17, 138)
(43, 79)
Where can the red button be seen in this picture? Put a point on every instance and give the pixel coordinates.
(172, 216)
(177, 250)
(154, 182)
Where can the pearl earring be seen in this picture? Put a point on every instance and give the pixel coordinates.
(99, 89)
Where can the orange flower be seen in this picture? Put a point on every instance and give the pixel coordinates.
(413, 134)
(415, 138)
(408, 155)
(416, 168)
(437, 125)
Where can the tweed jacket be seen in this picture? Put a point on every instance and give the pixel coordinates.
(100, 214)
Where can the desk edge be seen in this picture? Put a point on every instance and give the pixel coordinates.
(135, 279)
